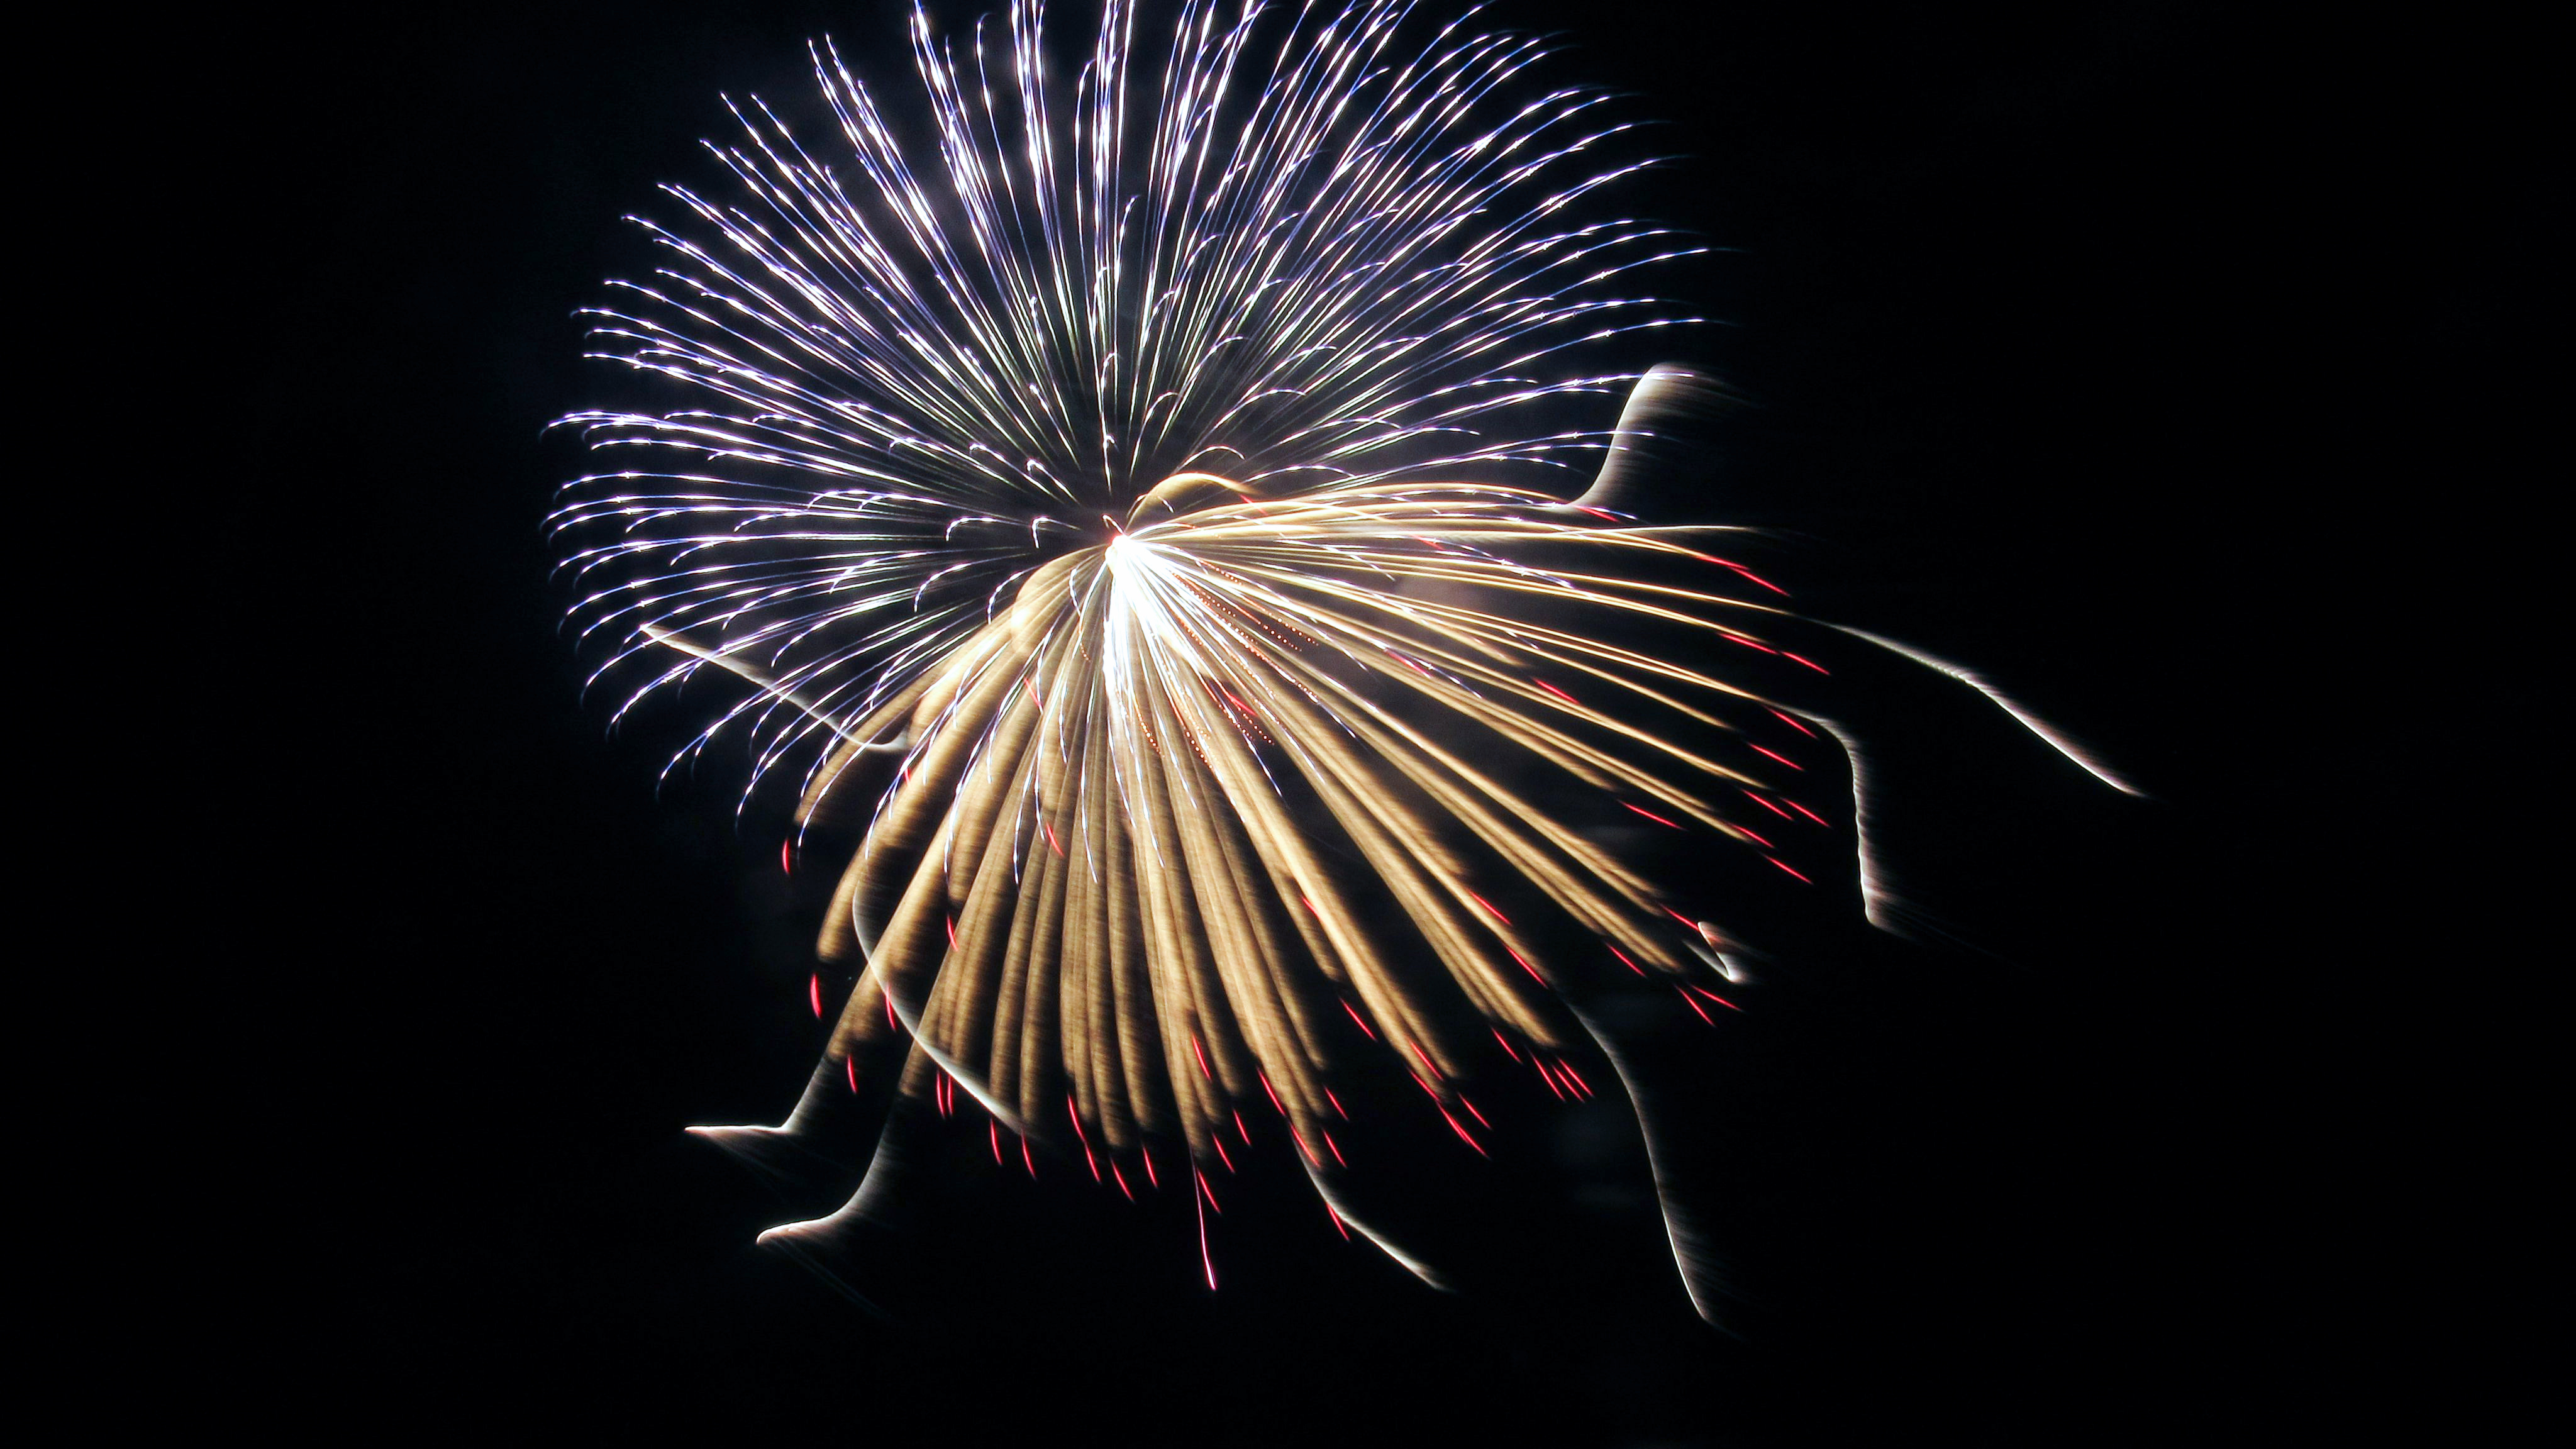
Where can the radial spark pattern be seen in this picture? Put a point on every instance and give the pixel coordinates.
(1068, 461)
(924, 352)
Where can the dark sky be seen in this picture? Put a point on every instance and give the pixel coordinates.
(2012, 302)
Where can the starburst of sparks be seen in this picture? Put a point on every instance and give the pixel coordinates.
(1052, 459)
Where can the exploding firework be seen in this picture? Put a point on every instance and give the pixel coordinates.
(1126, 481)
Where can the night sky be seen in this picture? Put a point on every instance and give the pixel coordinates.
(2003, 297)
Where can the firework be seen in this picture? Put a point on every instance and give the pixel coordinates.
(1125, 480)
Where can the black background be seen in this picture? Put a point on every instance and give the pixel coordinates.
(2031, 312)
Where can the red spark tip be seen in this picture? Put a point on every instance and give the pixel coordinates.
(1757, 578)
(1207, 1261)
(1463, 1134)
(1792, 722)
(1765, 804)
(1713, 996)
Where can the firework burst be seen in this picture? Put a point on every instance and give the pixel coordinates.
(1071, 463)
